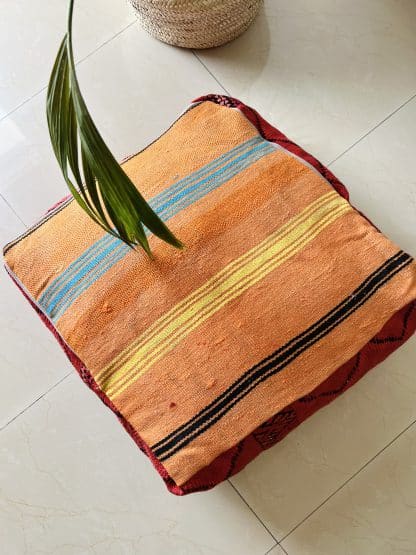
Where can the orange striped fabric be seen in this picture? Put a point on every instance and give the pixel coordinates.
(280, 283)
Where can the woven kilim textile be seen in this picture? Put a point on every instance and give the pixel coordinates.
(284, 296)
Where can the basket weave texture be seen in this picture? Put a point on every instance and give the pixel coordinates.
(196, 23)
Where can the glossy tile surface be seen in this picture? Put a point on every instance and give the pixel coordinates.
(378, 172)
(94, 492)
(337, 77)
(30, 359)
(325, 72)
(374, 514)
(30, 33)
(287, 482)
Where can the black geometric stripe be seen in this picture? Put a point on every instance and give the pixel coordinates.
(235, 458)
(278, 360)
(394, 338)
(332, 392)
(275, 428)
(190, 425)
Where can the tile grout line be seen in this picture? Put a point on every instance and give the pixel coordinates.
(354, 143)
(80, 61)
(44, 88)
(372, 129)
(274, 546)
(35, 401)
(389, 444)
(12, 209)
(254, 513)
(210, 72)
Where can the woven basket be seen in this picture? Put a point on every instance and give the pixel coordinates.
(196, 23)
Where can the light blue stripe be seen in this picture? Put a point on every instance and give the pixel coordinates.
(225, 175)
(87, 268)
(209, 186)
(189, 200)
(93, 270)
(232, 170)
(72, 268)
(116, 255)
(207, 169)
(211, 177)
(51, 290)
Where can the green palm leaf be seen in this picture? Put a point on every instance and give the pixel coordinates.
(94, 177)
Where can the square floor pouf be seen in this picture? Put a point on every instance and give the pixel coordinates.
(284, 296)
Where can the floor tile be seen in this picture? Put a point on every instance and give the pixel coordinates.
(72, 482)
(30, 359)
(125, 85)
(31, 33)
(374, 514)
(324, 72)
(295, 476)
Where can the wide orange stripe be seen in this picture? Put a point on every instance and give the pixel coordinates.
(211, 358)
(223, 226)
(257, 262)
(198, 137)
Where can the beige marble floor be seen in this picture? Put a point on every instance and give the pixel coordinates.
(339, 77)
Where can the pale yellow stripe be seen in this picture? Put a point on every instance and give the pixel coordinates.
(212, 282)
(147, 353)
(172, 337)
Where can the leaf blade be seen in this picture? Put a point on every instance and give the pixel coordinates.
(101, 186)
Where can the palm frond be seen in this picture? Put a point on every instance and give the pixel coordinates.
(94, 177)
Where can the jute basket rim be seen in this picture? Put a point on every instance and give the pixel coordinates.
(185, 4)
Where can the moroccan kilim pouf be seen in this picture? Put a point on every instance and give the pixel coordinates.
(284, 296)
